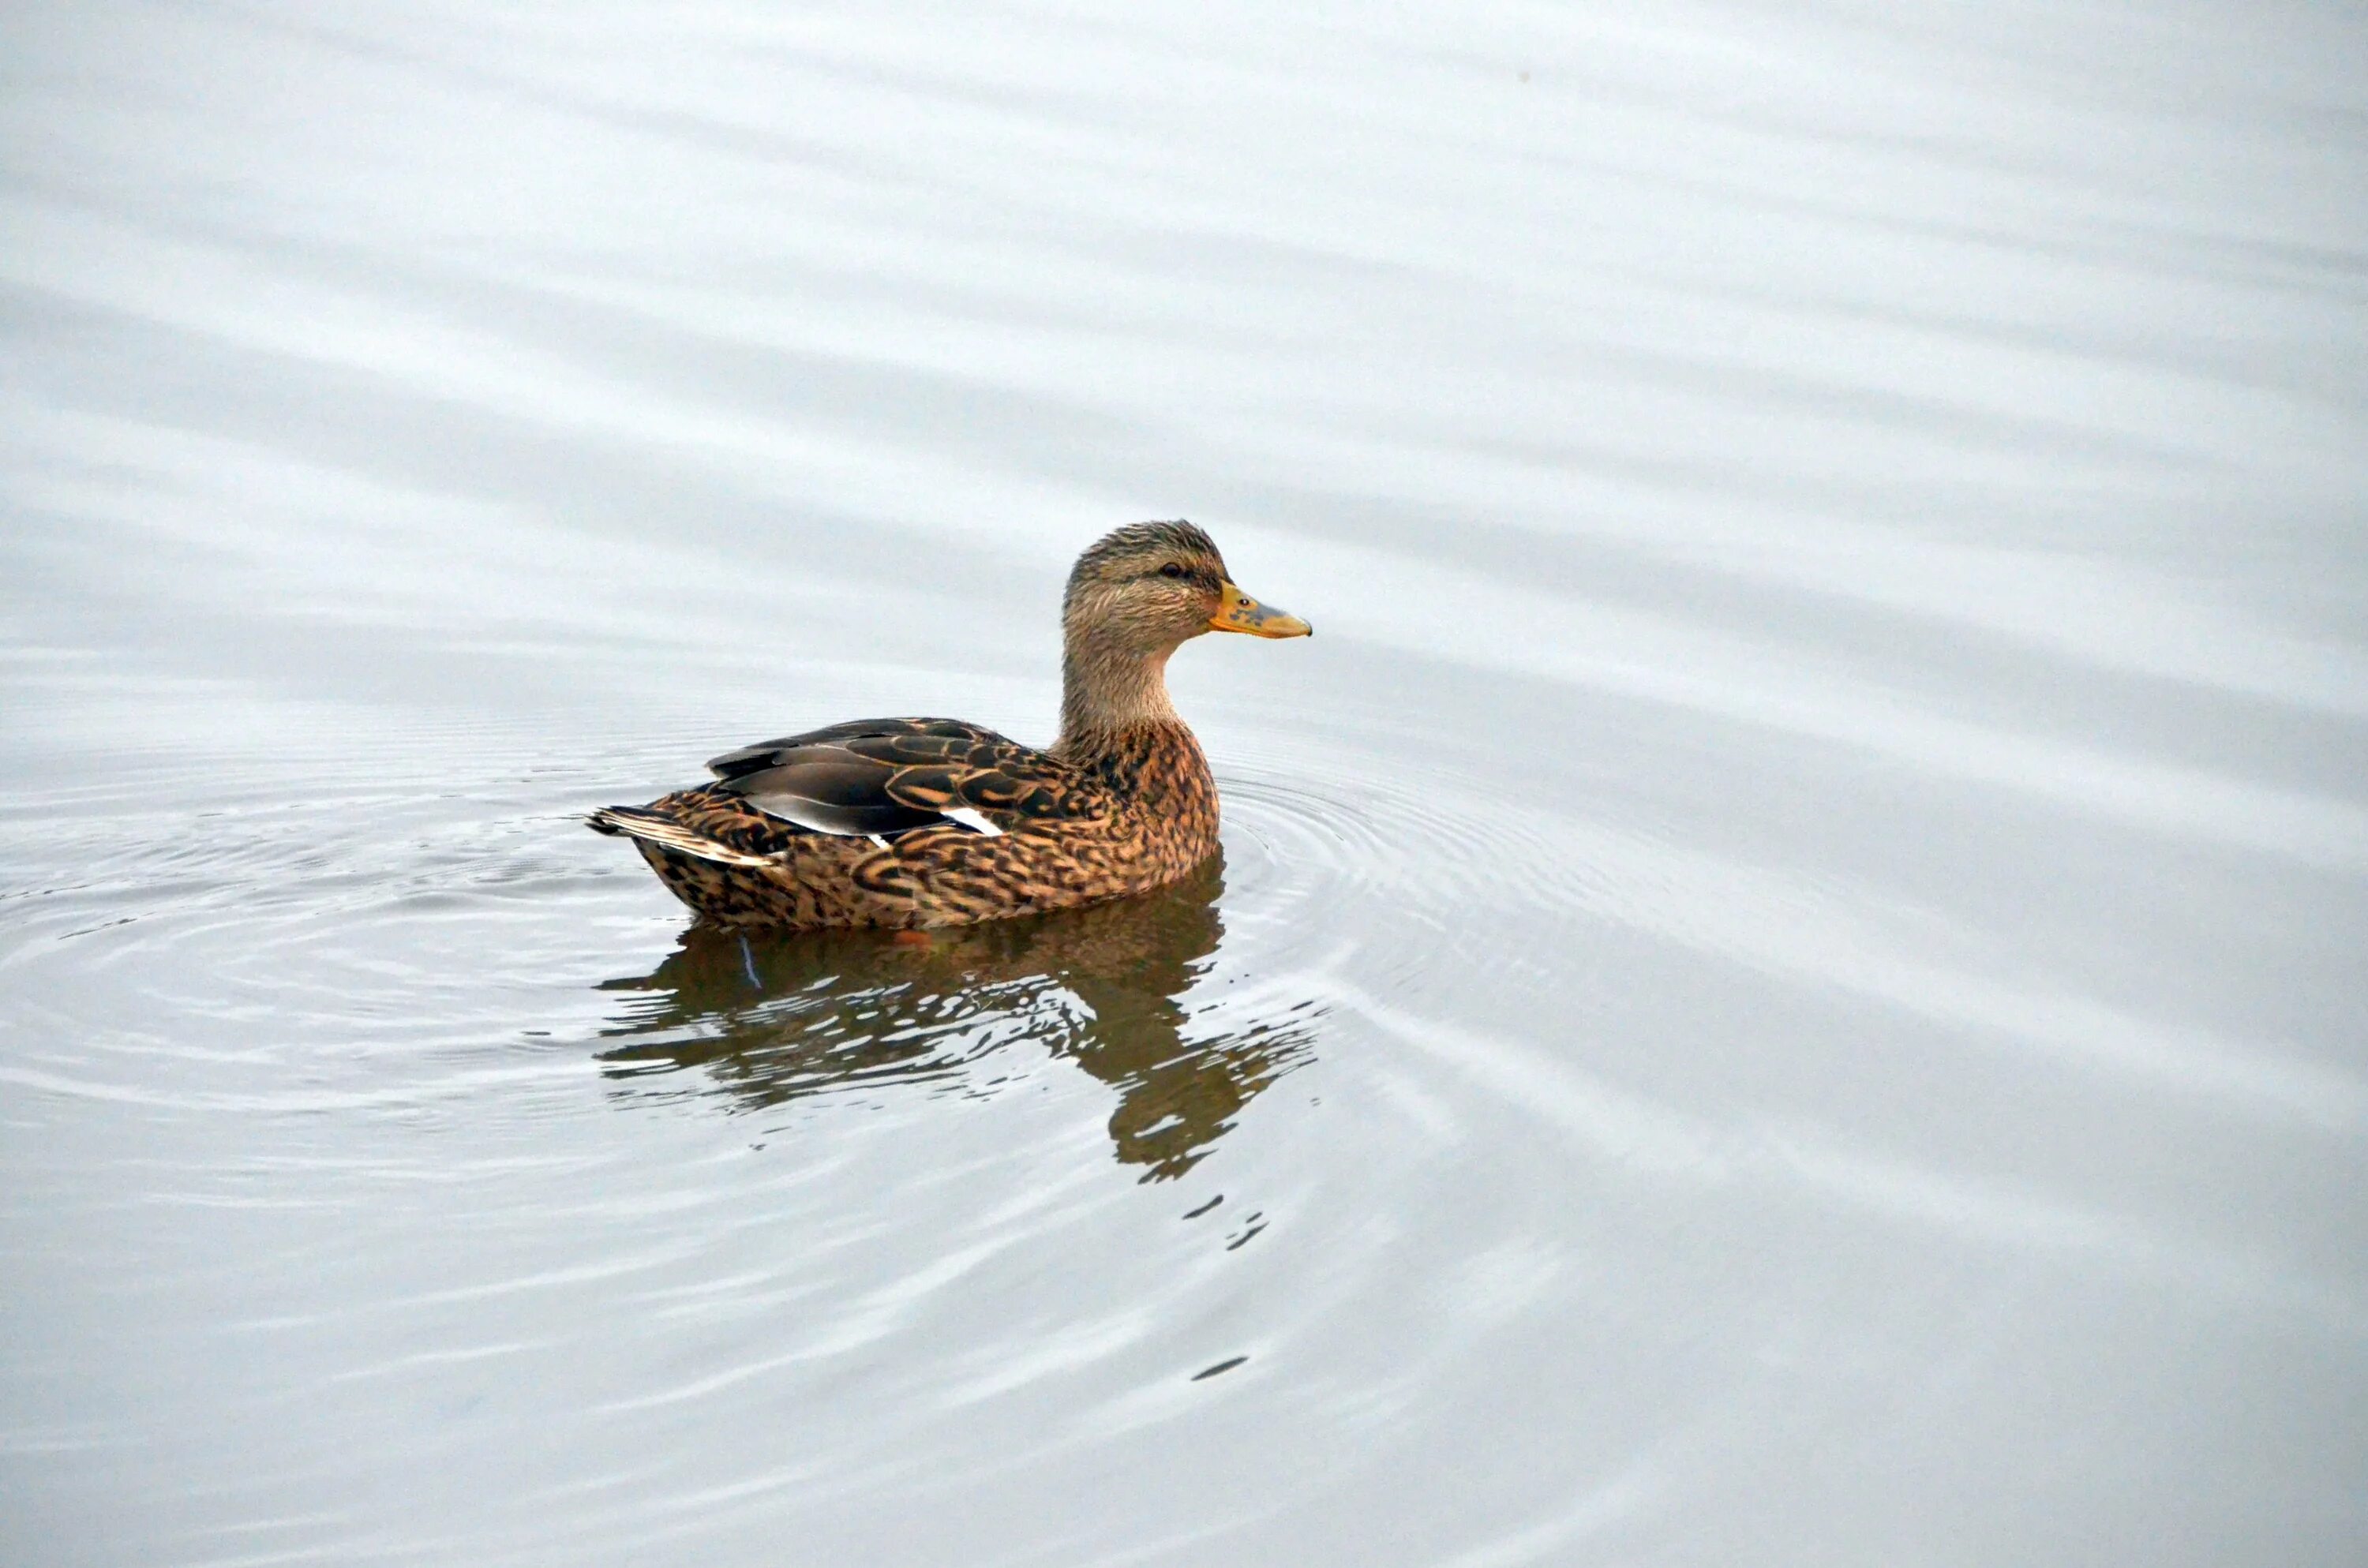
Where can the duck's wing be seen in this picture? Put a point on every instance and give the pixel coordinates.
(889, 776)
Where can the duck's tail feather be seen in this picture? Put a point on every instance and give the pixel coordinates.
(655, 827)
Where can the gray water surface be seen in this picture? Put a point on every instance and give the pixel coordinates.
(1785, 984)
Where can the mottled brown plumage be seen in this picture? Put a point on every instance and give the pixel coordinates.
(911, 822)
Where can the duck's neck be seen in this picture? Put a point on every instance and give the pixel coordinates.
(1107, 694)
(1118, 725)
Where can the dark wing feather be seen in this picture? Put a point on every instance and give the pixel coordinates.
(764, 754)
(827, 790)
(885, 775)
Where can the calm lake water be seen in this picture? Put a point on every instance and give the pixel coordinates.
(1786, 982)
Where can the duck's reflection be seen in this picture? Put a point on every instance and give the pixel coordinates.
(771, 1018)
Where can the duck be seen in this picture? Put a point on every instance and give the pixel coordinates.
(915, 823)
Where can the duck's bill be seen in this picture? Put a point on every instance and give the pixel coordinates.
(1242, 613)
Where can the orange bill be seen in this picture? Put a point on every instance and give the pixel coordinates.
(1242, 613)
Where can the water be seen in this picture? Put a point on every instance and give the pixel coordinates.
(1785, 982)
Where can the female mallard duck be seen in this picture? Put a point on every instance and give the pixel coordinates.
(932, 822)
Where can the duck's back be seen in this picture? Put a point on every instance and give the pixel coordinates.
(925, 822)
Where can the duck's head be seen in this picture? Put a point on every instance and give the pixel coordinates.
(1137, 594)
(1146, 587)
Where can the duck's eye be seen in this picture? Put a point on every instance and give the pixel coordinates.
(1171, 570)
